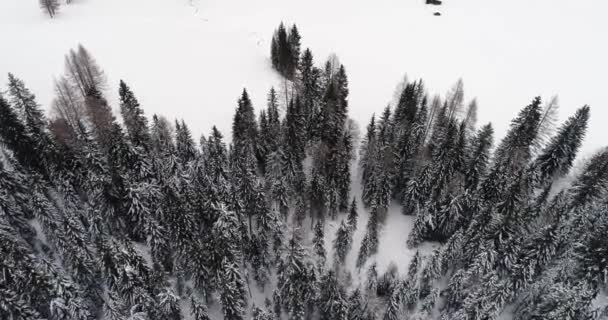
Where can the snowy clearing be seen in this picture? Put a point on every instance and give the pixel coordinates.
(191, 58)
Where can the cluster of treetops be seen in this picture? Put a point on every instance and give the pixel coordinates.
(82, 194)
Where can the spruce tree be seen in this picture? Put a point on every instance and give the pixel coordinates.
(284, 50)
(559, 154)
(478, 156)
(14, 135)
(319, 242)
(198, 310)
(184, 144)
(310, 91)
(368, 162)
(232, 288)
(294, 49)
(295, 134)
(353, 216)
(342, 242)
(369, 244)
(332, 298)
(296, 287)
(134, 119)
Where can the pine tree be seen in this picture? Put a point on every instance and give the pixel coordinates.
(367, 162)
(198, 310)
(295, 134)
(184, 144)
(244, 127)
(232, 287)
(134, 118)
(274, 52)
(278, 181)
(559, 154)
(161, 135)
(589, 184)
(169, 303)
(387, 282)
(342, 242)
(15, 307)
(332, 298)
(369, 244)
(18, 262)
(259, 314)
(514, 151)
(478, 156)
(14, 135)
(294, 49)
(270, 130)
(371, 279)
(394, 304)
(319, 242)
(296, 283)
(310, 91)
(353, 216)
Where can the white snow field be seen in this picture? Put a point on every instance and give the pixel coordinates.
(191, 58)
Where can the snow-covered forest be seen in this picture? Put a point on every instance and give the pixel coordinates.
(298, 211)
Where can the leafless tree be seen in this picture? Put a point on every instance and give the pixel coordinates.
(434, 109)
(50, 6)
(63, 132)
(455, 99)
(83, 72)
(68, 105)
(547, 124)
(470, 119)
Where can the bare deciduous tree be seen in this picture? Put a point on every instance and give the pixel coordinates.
(455, 99)
(68, 104)
(50, 6)
(83, 72)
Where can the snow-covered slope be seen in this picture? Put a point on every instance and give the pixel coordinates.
(191, 58)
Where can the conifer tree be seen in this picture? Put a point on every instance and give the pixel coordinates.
(310, 91)
(319, 242)
(332, 298)
(371, 279)
(259, 314)
(14, 135)
(559, 154)
(274, 52)
(270, 130)
(161, 135)
(369, 244)
(198, 310)
(342, 242)
(296, 283)
(35, 126)
(283, 51)
(232, 287)
(514, 151)
(278, 181)
(294, 46)
(134, 118)
(184, 144)
(295, 134)
(478, 156)
(353, 216)
(367, 162)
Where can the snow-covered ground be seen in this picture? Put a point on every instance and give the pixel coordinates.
(191, 58)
